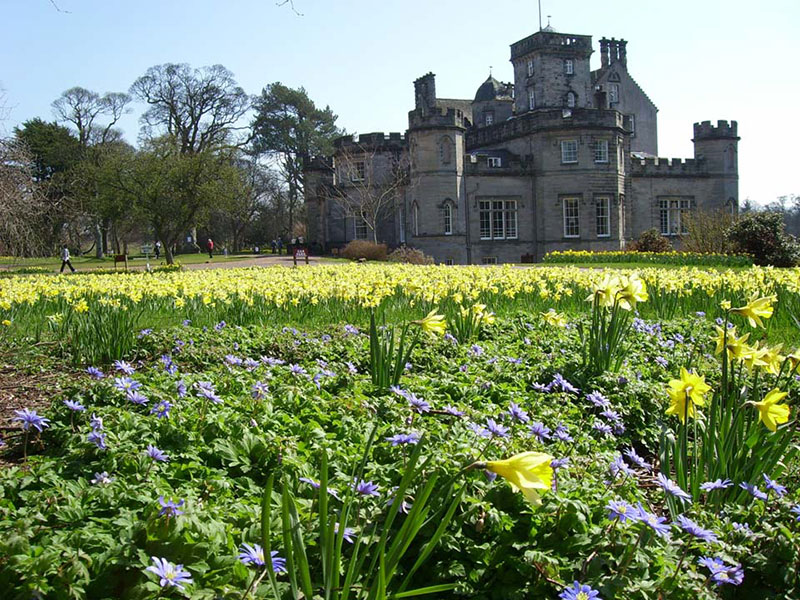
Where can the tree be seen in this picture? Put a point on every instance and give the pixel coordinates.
(21, 202)
(175, 191)
(200, 108)
(370, 183)
(289, 127)
(706, 231)
(762, 235)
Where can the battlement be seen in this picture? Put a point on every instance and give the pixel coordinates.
(543, 120)
(664, 167)
(374, 141)
(722, 130)
(317, 163)
(561, 43)
(437, 117)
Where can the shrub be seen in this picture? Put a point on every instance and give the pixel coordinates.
(364, 249)
(412, 256)
(763, 236)
(706, 232)
(651, 240)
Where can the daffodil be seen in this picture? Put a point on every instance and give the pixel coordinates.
(686, 393)
(735, 346)
(773, 359)
(6, 323)
(551, 317)
(605, 293)
(527, 472)
(756, 309)
(433, 323)
(632, 290)
(770, 412)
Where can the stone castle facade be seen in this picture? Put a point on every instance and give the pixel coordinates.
(563, 158)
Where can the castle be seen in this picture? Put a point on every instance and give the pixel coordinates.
(563, 158)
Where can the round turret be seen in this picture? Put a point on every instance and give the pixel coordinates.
(491, 89)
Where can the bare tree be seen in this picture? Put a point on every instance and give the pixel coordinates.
(370, 183)
(82, 107)
(198, 107)
(21, 203)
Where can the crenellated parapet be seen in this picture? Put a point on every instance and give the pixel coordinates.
(721, 131)
(544, 120)
(376, 141)
(665, 167)
(437, 118)
(556, 43)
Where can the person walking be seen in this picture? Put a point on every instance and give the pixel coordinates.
(157, 249)
(274, 245)
(65, 259)
(280, 246)
(210, 246)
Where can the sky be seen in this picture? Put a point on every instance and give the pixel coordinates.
(697, 60)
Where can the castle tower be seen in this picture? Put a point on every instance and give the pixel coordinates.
(551, 70)
(718, 148)
(436, 200)
(318, 173)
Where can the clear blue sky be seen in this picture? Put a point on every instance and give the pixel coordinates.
(697, 60)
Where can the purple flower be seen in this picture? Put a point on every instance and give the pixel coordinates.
(602, 428)
(661, 361)
(351, 330)
(618, 465)
(560, 382)
(220, 326)
(496, 429)
(74, 405)
(29, 418)
(418, 404)
(124, 367)
(404, 438)
(161, 410)
(796, 510)
(636, 459)
(156, 454)
(170, 508)
(598, 400)
(272, 362)
(540, 387)
(722, 573)
(259, 390)
(452, 410)
(559, 463)
(96, 422)
(136, 397)
(351, 368)
(233, 360)
(475, 350)
(611, 415)
(348, 534)
(779, 490)
(657, 524)
(297, 370)
(671, 487)
(579, 592)
(187, 322)
(171, 575)
(562, 433)
(97, 438)
(316, 485)
(102, 478)
(753, 490)
(622, 511)
(718, 484)
(449, 337)
(95, 372)
(366, 488)
(539, 431)
(396, 389)
(490, 475)
(479, 431)
(742, 528)
(518, 413)
(250, 364)
(180, 388)
(408, 366)
(126, 384)
(694, 529)
(205, 389)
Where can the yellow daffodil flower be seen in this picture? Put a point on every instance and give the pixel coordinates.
(605, 292)
(551, 317)
(736, 346)
(6, 323)
(770, 412)
(686, 393)
(756, 309)
(527, 472)
(632, 290)
(432, 323)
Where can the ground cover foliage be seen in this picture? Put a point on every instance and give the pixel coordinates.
(215, 443)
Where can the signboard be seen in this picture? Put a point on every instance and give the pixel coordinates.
(300, 252)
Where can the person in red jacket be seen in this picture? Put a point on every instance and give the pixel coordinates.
(210, 246)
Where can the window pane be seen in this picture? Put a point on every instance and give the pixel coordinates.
(485, 219)
(569, 151)
(601, 151)
(511, 219)
(497, 221)
(571, 217)
(603, 217)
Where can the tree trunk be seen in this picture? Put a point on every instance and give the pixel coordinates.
(98, 240)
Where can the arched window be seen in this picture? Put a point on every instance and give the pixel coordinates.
(415, 218)
(447, 217)
(445, 149)
(572, 99)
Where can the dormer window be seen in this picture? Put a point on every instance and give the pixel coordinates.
(569, 66)
(613, 92)
(494, 162)
(488, 118)
(530, 67)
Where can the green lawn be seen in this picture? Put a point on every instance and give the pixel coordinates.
(85, 263)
